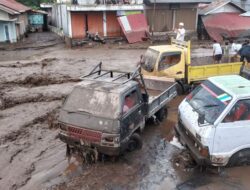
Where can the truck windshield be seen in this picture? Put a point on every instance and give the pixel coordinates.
(209, 100)
(149, 60)
(93, 102)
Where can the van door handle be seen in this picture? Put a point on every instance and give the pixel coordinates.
(179, 72)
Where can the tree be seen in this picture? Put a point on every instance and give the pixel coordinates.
(34, 3)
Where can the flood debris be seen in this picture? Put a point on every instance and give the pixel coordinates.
(184, 161)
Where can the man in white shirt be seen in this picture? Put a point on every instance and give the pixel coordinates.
(217, 52)
(180, 32)
(234, 49)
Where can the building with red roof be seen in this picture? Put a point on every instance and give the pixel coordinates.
(13, 20)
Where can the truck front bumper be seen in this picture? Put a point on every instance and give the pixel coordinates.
(73, 142)
(189, 142)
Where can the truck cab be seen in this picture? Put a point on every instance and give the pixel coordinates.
(214, 121)
(107, 111)
(166, 60)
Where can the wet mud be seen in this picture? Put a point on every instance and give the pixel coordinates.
(34, 84)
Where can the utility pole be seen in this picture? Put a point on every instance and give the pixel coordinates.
(153, 24)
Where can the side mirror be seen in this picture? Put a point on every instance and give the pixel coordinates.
(201, 119)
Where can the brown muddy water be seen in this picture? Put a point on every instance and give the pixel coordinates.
(33, 84)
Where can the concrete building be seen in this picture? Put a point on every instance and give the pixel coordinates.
(76, 17)
(13, 20)
(165, 15)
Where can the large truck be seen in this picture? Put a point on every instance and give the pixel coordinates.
(106, 112)
(175, 63)
(214, 121)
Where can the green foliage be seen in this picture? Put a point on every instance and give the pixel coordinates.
(35, 4)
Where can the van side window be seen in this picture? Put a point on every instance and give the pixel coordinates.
(130, 101)
(169, 59)
(239, 112)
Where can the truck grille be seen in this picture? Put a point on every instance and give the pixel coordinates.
(85, 134)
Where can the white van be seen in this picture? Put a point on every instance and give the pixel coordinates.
(214, 121)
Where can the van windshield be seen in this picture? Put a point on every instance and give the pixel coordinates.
(149, 60)
(209, 100)
(93, 102)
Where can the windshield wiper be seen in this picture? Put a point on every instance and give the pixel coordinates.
(206, 106)
(79, 110)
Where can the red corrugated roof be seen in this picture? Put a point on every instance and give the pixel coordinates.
(134, 27)
(12, 4)
(229, 25)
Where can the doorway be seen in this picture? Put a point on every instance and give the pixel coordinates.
(7, 34)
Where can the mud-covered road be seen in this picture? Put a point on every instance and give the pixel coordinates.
(35, 79)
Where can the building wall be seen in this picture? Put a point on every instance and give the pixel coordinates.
(166, 19)
(4, 15)
(113, 27)
(22, 25)
(188, 17)
(12, 31)
(93, 22)
(78, 25)
(60, 18)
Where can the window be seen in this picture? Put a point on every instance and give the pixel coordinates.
(169, 59)
(239, 112)
(149, 59)
(210, 100)
(130, 101)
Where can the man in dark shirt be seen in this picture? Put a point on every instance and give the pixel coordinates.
(244, 52)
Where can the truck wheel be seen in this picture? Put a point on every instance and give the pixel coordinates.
(241, 158)
(162, 114)
(180, 89)
(135, 142)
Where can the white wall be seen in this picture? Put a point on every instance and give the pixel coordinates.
(245, 4)
(4, 15)
(12, 31)
(60, 18)
(227, 9)
(64, 1)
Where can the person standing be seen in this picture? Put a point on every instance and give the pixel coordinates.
(232, 51)
(180, 32)
(244, 53)
(217, 52)
(226, 51)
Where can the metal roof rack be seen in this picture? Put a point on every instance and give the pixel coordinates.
(99, 74)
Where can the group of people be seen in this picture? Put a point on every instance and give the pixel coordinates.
(231, 50)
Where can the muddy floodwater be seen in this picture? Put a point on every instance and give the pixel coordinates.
(35, 78)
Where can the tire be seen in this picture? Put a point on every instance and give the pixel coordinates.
(241, 158)
(134, 143)
(179, 89)
(162, 114)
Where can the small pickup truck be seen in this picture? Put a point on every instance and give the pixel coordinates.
(174, 61)
(106, 112)
(214, 121)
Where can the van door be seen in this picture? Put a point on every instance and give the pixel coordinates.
(232, 134)
(131, 113)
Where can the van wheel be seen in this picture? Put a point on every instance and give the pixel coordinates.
(135, 142)
(162, 114)
(241, 158)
